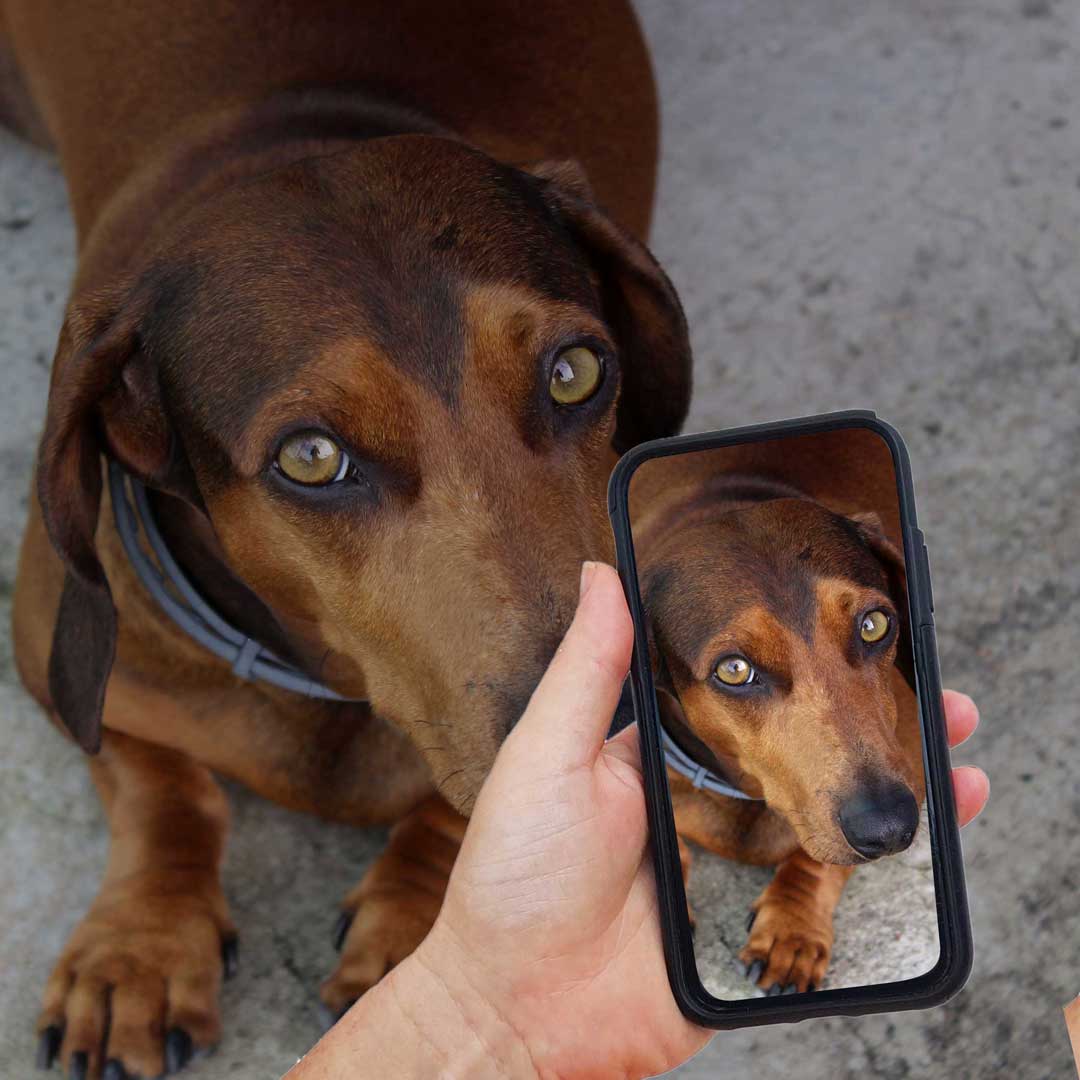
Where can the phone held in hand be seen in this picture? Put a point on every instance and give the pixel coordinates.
(785, 681)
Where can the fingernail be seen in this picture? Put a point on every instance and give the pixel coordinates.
(588, 572)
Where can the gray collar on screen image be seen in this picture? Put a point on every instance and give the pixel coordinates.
(684, 763)
(698, 775)
(187, 608)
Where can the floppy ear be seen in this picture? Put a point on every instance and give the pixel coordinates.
(100, 396)
(891, 559)
(639, 304)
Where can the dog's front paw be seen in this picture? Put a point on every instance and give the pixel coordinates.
(789, 946)
(374, 933)
(135, 991)
(392, 909)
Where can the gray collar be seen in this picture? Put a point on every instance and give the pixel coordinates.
(175, 594)
(181, 601)
(682, 762)
(698, 775)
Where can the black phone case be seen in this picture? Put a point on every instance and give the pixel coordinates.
(954, 927)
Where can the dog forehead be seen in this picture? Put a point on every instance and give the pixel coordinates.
(767, 556)
(415, 201)
(691, 605)
(800, 540)
(384, 243)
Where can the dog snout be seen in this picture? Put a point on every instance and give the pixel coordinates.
(880, 818)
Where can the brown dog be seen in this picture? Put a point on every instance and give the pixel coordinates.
(374, 356)
(779, 613)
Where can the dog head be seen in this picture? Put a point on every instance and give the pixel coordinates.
(394, 380)
(778, 626)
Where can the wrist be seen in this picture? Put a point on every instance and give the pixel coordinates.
(459, 1023)
(423, 1019)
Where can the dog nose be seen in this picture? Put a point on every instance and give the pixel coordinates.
(879, 819)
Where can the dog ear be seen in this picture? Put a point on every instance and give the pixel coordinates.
(639, 304)
(102, 395)
(891, 559)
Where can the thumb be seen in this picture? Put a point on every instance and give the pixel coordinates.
(572, 707)
(626, 747)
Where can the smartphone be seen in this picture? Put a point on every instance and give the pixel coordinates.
(785, 682)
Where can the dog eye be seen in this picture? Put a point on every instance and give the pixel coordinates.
(735, 671)
(874, 626)
(312, 458)
(576, 376)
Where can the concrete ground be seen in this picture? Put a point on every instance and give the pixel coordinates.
(886, 923)
(863, 203)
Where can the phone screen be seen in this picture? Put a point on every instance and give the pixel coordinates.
(773, 581)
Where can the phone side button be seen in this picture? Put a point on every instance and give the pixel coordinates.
(928, 673)
(927, 578)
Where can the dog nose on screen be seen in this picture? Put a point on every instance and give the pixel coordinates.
(879, 819)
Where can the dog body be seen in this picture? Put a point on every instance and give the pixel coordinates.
(758, 565)
(311, 231)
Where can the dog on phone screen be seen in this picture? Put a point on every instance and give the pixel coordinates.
(780, 637)
(349, 307)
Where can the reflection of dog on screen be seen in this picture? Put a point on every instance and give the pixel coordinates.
(780, 640)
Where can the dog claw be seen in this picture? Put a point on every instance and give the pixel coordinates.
(79, 1067)
(774, 991)
(114, 1070)
(178, 1049)
(811, 987)
(791, 988)
(756, 968)
(750, 920)
(341, 928)
(48, 1046)
(230, 956)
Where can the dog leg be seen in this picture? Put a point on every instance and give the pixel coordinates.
(791, 927)
(139, 978)
(392, 909)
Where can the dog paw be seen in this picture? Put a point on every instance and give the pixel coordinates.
(135, 991)
(374, 933)
(789, 946)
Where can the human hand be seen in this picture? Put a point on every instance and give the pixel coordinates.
(550, 915)
(970, 785)
(551, 908)
(546, 958)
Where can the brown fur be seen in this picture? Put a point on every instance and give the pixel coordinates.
(150, 947)
(380, 219)
(732, 559)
